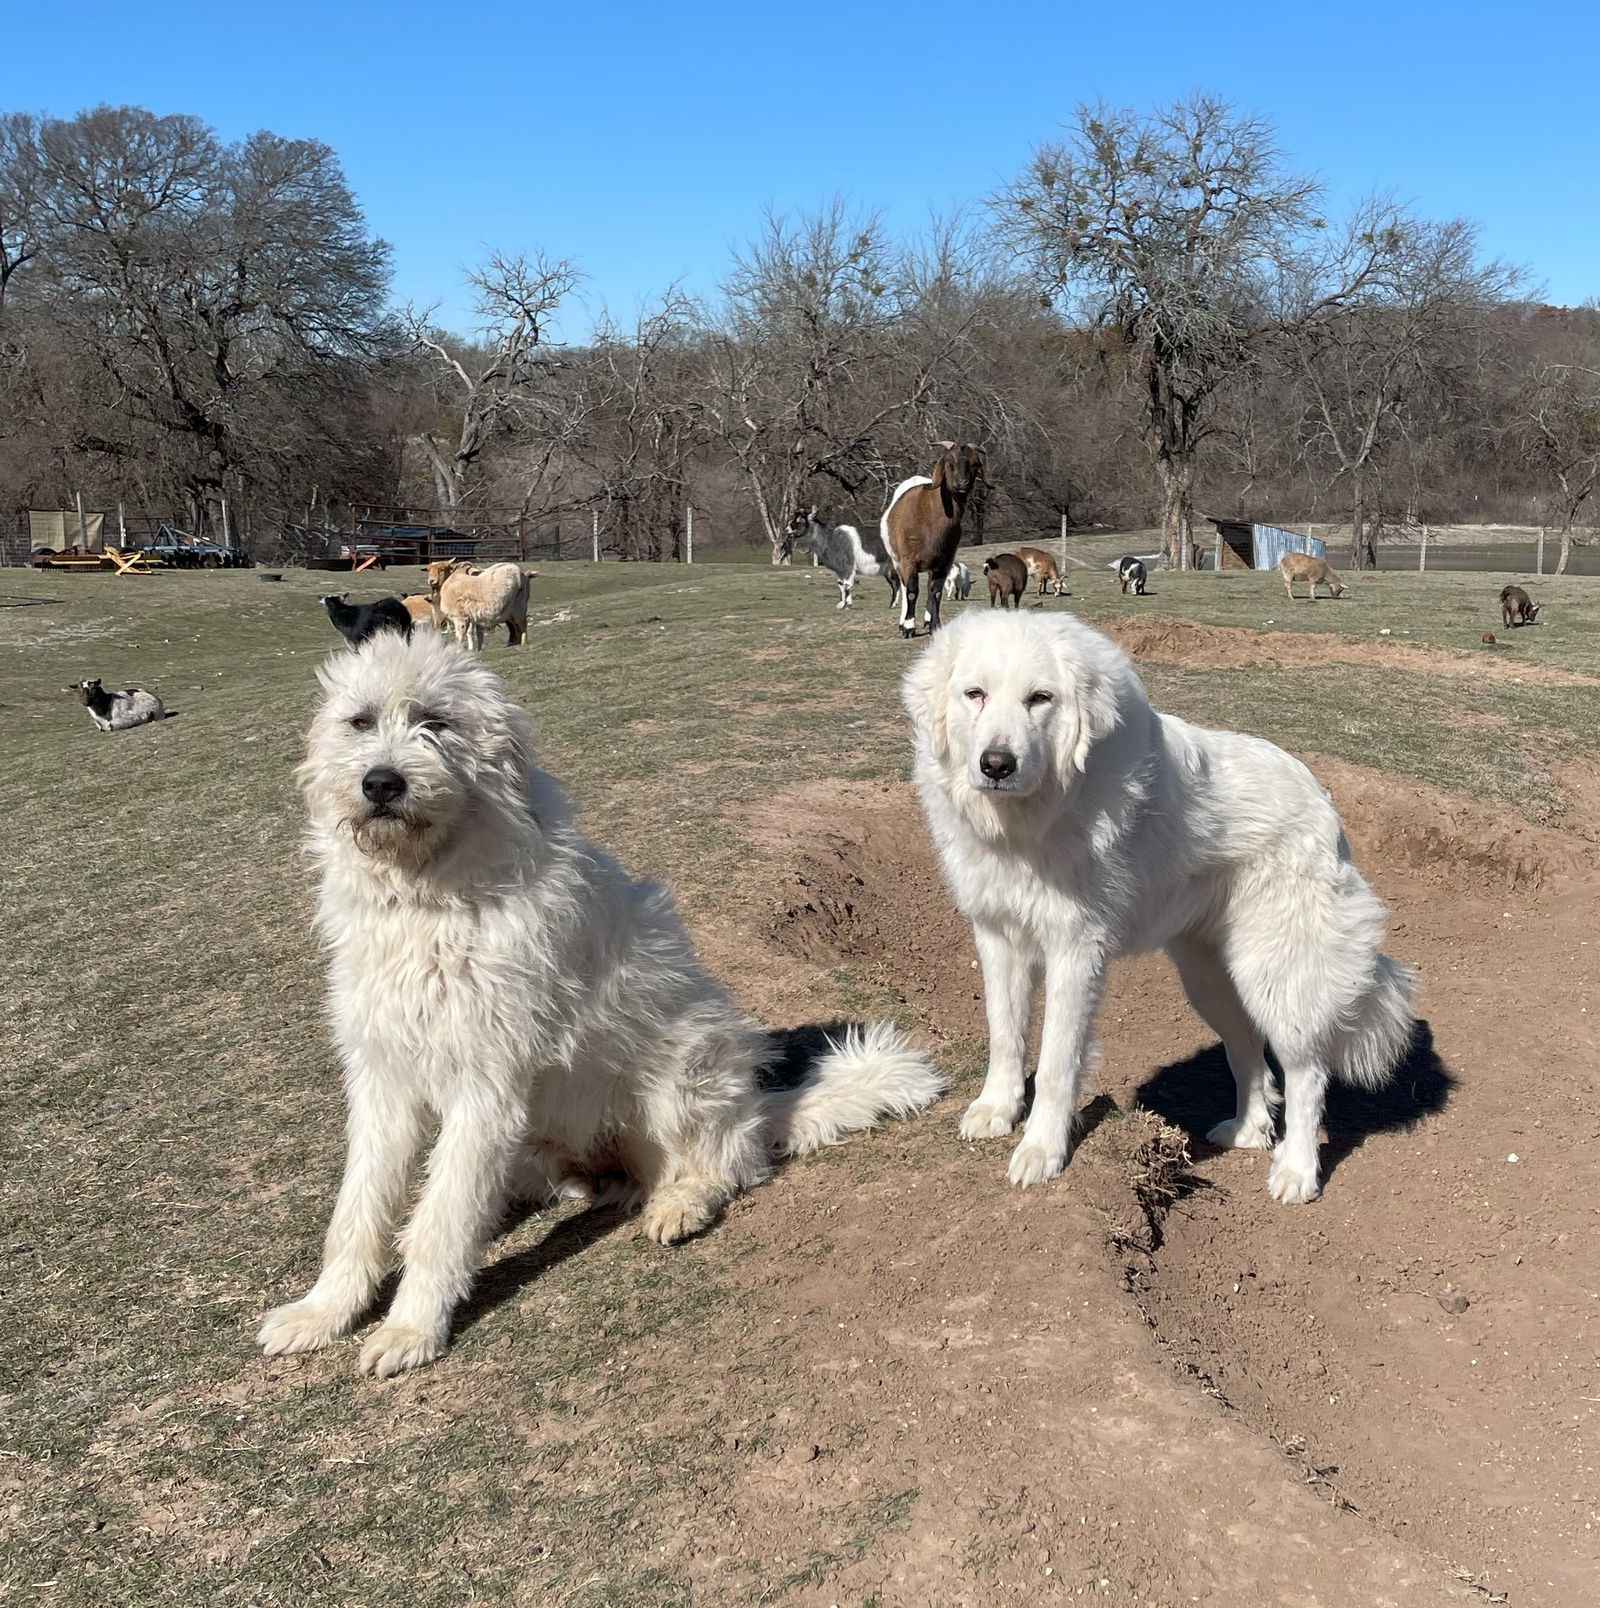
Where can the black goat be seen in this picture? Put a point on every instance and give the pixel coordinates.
(355, 622)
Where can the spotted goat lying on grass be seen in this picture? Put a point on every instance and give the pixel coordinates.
(117, 711)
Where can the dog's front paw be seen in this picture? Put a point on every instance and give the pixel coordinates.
(1291, 1184)
(1241, 1133)
(675, 1213)
(301, 1326)
(984, 1120)
(393, 1348)
(1033, 1162)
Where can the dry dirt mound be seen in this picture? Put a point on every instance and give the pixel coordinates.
(1389, 1396)
(1222, 647)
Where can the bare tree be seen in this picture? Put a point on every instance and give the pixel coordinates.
(1557, 425)
(807, 362)
(21, 206)
(484, 383)
(1391, 311)
(183, 303)
(1166, 228)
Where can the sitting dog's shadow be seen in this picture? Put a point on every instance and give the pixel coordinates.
(1197, 1093)
(791, 1052)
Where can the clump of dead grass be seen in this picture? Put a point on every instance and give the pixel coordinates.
(1134, 1166)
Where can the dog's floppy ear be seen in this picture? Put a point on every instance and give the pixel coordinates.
(1095, 705)
(925, 692)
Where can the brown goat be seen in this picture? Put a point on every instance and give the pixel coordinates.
(1314, 572)
(1007, 576)
(921, 528)
(1517, 608)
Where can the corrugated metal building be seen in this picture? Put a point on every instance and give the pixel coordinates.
(1242, 544)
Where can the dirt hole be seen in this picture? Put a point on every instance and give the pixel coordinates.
(1423, 1342)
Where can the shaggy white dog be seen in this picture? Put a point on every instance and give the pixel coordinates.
(1076, 824)
(496, 973)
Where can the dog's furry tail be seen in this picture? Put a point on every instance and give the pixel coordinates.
(1378, 1031)
(856, 1082)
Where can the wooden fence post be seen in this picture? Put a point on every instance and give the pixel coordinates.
(1422, 556)
(688, 535)
(595, 536)
(1538, 567)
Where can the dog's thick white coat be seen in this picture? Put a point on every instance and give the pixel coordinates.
(495, 973)
(1121, 830)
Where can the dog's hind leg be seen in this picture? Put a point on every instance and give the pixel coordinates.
(703, 1133)
(385, 1131)
(1281, 963)
(467, 1176)
(1009, 975)
(1295, 1174)
(1216, 1001)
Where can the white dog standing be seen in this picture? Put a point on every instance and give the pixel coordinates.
(496, 973)
(1076, 824)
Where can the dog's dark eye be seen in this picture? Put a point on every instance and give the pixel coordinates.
(974, 693)
(434, 723)
(1034, 699)
(360, 723)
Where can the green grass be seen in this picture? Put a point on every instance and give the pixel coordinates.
(174, 1134)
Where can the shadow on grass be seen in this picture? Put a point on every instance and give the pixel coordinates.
(792, 1052)
(500, 1281)
(1197, 1093)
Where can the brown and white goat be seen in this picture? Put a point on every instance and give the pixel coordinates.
(921, 528)
(1042, 568)
(476, 600)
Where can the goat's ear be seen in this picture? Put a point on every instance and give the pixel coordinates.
(925, 691)
(1095, 706)
(980, 470)
(941, 474)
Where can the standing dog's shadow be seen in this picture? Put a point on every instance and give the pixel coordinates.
(1196, 1094)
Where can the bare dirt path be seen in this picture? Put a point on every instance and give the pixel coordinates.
(1388, 1397)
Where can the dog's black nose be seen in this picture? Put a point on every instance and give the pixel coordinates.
(382, 785)
(997, 763)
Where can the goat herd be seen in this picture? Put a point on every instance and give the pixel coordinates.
(918, 534)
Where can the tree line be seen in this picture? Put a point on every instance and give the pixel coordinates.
(1155, 317)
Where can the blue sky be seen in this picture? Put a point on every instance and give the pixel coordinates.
(644, 140)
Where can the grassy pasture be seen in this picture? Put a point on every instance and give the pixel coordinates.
(175, 1119)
